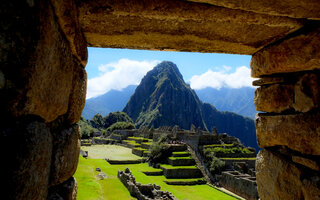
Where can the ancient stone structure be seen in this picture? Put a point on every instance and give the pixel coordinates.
(240, 184)
(43, 81)
(142, 191)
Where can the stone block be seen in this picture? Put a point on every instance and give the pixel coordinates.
(269, 80)
(299, 132)
(38, 64)
(26, 148)
(286, 56)
(277, 179)
(78, 94)
(307, 93)
(312, 164)
(274, 98)
(66, 149)
(67, 15)
(64, 191)
(38, 71)
(311, 187)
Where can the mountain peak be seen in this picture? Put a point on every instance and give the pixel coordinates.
(167, 67)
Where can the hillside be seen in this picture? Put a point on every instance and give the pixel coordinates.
(237, 100)
(112, 101)
(164, 99)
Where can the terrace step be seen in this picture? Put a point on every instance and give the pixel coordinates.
(146, 145)
(185, 181)
(130, 144)
(124, 162)
(139, 151)
(181, 171)
(138, 139)
(181, 161)
(177, 147)
(153, 173)
(180, 154)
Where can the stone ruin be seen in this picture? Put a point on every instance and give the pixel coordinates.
(43, 79)
(241, 184)
(143, 191)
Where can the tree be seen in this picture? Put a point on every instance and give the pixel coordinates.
(97, 121)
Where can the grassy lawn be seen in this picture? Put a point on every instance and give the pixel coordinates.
(89, 187)
(112, 152)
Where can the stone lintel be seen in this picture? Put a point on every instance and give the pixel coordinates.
(299, 132)
(296, 9)
(180, 25)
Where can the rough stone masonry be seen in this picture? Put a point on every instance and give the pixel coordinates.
(43, 81)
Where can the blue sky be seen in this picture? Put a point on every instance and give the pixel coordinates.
(117, 68)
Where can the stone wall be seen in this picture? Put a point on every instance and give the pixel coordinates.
(241, 184)
(142, 191)
(288, 93)
(42, 88)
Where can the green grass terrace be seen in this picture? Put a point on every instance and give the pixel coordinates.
(91, 188)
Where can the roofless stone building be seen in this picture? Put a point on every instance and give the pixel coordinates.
(43, 80)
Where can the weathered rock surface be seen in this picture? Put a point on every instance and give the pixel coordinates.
(269, 81)
(312, 164)
(299, 132)
(64, 191)
(299, 92)
(78, 95)
(311, 188)
(66, 12)
(26, 153)
(291, 8)
(287, 56)
(274, 98)
(307, 93)
(66, 149)
(39, 74)
(277, 179)
(179, 25)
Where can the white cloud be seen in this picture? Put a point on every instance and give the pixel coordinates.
(240, 78)
(118, 75)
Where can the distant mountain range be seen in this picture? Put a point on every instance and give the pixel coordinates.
(164, 99)
(112, 101)
(237, 100)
